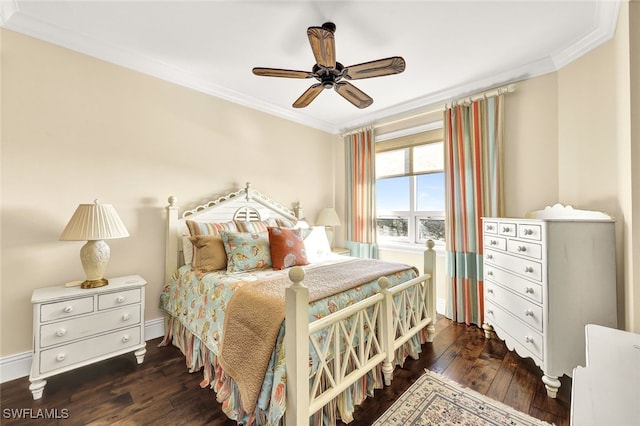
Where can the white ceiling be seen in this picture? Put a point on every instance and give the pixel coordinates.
(452, 48)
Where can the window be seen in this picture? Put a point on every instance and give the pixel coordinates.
(410, 189)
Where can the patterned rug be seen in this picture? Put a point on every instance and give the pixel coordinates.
(436, 400)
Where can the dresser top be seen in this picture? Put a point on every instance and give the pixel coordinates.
(61, 292)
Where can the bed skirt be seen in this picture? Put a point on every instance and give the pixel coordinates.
(199, 357)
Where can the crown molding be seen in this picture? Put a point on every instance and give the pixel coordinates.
(12, 18)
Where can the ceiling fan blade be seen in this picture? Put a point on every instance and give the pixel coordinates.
(323, 46)
(387, 66)
(276, 72)
(353, 94)
(309, 95)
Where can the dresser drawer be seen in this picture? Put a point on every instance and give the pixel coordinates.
(491, 227)
(527, 341)
(520, 308)
(525, 248)
(112, 300)
(74, 353)
(496, 243)
(525, 288)
(66, 308)
(507, 229)
(68, 330)
(523, 267)
(530, 231)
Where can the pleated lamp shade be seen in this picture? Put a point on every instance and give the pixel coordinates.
(94, 222)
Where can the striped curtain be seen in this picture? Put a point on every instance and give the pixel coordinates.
(360, 155)
(474, 188)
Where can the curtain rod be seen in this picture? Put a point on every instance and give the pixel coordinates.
(492, 92)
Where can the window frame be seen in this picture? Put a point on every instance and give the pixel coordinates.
(413, 239)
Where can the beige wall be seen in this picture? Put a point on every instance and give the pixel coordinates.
(75, 128)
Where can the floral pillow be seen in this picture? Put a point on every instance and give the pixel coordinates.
(287, 248)
(246, 251)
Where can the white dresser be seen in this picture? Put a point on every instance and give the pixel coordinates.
(74, 327)
(544, 280)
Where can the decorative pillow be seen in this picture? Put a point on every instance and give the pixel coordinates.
(285, 223)
(206, 228)
(316, 244)
(252, 227)
(287, 248)
(187, 249)
(209, 253)
(246, 251)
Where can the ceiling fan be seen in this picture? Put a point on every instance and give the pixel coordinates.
(331, 73)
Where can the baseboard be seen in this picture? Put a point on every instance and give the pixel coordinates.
(19, 365)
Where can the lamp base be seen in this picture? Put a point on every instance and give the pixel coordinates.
(94, 283)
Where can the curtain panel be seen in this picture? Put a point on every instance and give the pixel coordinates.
(360, 157)
(473, 189)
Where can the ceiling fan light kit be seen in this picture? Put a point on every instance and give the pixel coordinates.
(332, 74)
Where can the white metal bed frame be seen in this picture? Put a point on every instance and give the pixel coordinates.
(376, 326)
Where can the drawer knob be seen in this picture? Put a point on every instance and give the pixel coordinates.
(528, 312)
(125, 338)
(120, 299)
(490, 227)
(528, 269)
(489, 256)
(68, 309)
(506, 229)
(528, 231)
(528, 339)
(490, 290)
(522, 249)
(61, 356)
(126, 316)
(61, 332)
(528, 290)
(490, 311)
(490, 273)
(493, 242)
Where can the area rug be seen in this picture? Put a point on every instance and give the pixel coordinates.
(436, 400)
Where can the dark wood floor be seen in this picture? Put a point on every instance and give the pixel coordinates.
(160, 391)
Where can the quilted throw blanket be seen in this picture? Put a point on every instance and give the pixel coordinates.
(256, 311)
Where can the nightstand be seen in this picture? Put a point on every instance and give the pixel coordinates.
(74, 327)
(341, 250)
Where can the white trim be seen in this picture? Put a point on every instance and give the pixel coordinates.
(19, 365)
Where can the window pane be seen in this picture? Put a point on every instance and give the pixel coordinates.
(392, 163)
(431, 229)
(392, 194)
(430, 192)
(428, 158)
(392, 228)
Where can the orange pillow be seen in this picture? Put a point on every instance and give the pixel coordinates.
(287, 248)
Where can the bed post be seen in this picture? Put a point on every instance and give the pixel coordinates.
(296, 341)
(387, 337)
(171, 253)
(430, 293)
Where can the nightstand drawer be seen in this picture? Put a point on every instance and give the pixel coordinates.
(74, 353)
(121, 298)
(77, 328)
(66, 309)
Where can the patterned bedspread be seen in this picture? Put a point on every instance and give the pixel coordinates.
(200, 304)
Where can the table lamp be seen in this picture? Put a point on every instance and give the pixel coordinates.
(94, 223)
(328, 218)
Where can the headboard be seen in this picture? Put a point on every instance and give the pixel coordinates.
(244, 204)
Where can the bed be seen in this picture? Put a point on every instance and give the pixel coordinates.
(348, 321)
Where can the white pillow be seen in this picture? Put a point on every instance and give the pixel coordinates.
(317, 245)
(187, 249)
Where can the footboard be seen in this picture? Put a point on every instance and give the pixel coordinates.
(355, 340)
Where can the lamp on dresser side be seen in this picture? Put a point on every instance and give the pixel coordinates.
(94, 223)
